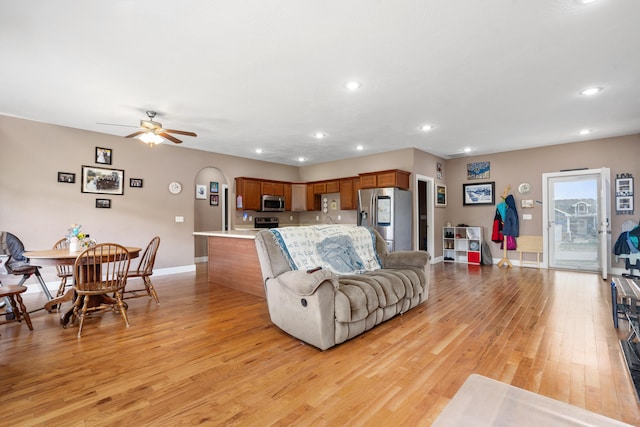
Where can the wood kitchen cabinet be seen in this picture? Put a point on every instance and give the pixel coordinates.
(288, 197)
(319, 187)
(313, 199)
(333, 186)
(391, 178)
(273, 188)
(248, 192)
(349, 193)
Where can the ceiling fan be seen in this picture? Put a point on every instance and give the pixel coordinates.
(152, 132)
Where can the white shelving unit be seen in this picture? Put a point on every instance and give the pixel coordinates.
(462, 244)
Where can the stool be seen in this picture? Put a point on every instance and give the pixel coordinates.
(12, 292)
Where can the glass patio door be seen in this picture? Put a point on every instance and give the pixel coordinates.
(577, 235)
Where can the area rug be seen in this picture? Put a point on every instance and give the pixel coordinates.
(482, 401)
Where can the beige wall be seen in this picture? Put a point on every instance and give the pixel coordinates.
(512, 168)
(39, 210)
(34, 206)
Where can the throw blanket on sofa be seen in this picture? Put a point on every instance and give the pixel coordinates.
(342, 249)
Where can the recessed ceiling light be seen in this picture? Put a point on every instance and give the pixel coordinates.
(467, 150)
(585, 1)
(426, 128)
(591, 91)
(359, 148)
(585, 131)
(319, 135)
(301, 159)
(259, 150)
(353, 85)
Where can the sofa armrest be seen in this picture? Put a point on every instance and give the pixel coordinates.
(302, 283)
(406, 259)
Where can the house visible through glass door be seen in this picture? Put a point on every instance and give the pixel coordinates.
(577, 218)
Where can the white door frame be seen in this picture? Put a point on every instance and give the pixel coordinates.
(604, 226)
(430, 214)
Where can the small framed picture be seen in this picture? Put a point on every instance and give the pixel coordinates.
(441, 195)
(201, 191)
(135, 182)
(214, 200)
(103, 155)
(213, 187)
(624, 203)
(526, 204)
(478, 194)
(103, 203)
(67, 177)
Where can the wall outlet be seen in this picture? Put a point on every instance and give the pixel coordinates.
(339, 217)
(527, 216)
(317, 218)
(290, 217)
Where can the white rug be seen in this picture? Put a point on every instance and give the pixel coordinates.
(482, 401)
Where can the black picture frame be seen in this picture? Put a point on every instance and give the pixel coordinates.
(483, 193)
(214, 200)
(103, 203)
(213, 187)
(104, 155)
(135, 182)
(98, 180)
(67, 177)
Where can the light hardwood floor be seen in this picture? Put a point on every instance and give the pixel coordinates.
(209, 355)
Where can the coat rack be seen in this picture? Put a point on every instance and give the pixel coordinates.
(505, 258)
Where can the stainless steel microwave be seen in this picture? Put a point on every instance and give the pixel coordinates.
(272, 204)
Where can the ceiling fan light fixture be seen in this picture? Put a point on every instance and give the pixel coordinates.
(151, 138)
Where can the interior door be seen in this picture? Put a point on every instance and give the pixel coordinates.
(577, 235)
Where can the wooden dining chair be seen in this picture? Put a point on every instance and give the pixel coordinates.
(145, 270)
(64, 271)
(100, 271)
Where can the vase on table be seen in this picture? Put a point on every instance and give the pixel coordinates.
(74, 244)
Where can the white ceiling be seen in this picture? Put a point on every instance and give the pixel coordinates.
(491, 75)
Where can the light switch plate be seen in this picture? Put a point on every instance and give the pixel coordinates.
(527, 216)
(179, 219)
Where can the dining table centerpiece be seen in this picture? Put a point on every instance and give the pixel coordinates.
(78, 240)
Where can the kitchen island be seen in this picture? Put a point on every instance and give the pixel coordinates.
(233, 260)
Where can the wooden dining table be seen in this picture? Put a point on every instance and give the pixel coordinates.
(54, 257)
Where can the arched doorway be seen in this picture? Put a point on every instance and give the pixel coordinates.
(211, 213)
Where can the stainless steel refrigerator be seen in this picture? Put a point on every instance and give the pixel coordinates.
(388, 210)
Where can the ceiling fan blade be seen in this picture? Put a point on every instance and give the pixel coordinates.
(135, 134)
(170, 138)
(181, 132)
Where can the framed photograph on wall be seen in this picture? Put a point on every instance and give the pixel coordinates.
(102, 180)
(624, 204)
(479, 194)
(441, 195)
(103, 155)
(67, 177)
(213, 187)
(201, 191)
(103, 203)
(214, 200)
(479, 170)
(135, 182)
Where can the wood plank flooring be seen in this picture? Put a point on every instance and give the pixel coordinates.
(209, 355)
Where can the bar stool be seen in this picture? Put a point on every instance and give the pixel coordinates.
(12, 292)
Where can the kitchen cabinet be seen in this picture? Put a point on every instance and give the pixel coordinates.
(298, 197)
(391, 178)
(248, 192)
(349, 193)
(333, 186)
(288, 197)
(313, 199)
(273, 188)
(319, 187)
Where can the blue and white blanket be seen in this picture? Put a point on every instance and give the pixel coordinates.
(343, 249)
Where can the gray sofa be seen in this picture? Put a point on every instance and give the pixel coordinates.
(324, 308)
